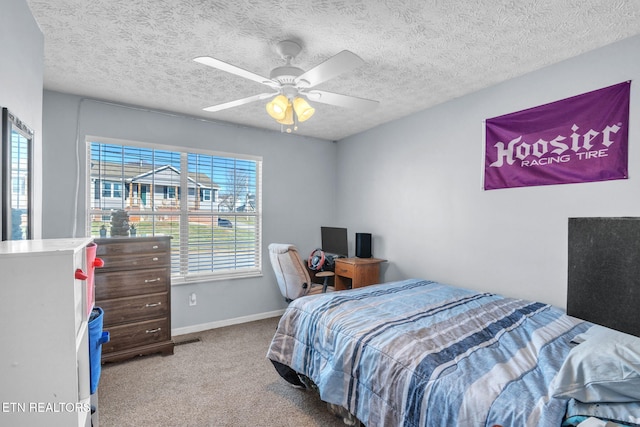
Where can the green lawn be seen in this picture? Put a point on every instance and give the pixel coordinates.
(199, 233)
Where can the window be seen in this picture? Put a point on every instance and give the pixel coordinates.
(111, 189)
(19, 186)
(106, 189)
(117, 189)
(216, 231)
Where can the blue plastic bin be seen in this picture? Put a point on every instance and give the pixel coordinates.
(97, 337)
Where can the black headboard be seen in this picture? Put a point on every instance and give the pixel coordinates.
(604, 272)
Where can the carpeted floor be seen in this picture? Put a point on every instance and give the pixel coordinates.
(222, 380)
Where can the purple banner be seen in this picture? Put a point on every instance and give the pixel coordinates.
(579, 139)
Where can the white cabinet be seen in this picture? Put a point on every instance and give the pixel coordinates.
(44, 361)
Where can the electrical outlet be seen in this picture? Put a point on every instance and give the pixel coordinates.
(192, 299)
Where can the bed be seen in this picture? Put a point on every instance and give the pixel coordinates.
(421, 353)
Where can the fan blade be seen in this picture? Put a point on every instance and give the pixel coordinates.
(337, 64)
(341, 100)
(224, 66)
(239, 102)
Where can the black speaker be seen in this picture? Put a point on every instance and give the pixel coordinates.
(363, 245)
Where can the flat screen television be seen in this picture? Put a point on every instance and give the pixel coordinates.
(334, 240)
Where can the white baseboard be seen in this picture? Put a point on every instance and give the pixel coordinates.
(227, 322)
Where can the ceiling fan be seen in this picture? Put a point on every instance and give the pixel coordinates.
(290, 85)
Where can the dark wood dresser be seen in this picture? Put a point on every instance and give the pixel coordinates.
(134, 290)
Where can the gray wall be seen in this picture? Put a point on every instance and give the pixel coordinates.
(21, 71)
(291, 213)
(415, 184)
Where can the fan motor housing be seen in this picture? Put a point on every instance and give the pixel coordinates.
(285, 74)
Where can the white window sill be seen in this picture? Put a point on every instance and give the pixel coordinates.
(214, 277)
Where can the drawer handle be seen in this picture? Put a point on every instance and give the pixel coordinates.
(155, 247)
(153, 331)
(153, 304)
(155, 258)
(157, 279)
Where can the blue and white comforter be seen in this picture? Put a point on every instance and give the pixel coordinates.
(420, 353)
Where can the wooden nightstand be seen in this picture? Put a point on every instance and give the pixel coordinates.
(356, 272)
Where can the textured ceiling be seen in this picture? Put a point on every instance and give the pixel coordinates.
(418, 53)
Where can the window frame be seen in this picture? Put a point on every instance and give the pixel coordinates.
(183, 275)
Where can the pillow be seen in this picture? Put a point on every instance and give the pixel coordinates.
(604, 367)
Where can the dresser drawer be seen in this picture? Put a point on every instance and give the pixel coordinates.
(344, 269)
(136, 335)
(118, 262)
(116, 284)
(132, 246)
(134, 309)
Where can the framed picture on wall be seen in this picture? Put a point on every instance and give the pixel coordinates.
(17, 172)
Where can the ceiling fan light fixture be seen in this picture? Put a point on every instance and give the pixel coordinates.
(277, 107)
(288, 116)
(304, 111)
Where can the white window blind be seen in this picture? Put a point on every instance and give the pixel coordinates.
(209, 203)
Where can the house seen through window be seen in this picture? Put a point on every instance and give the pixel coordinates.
(208, 203)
